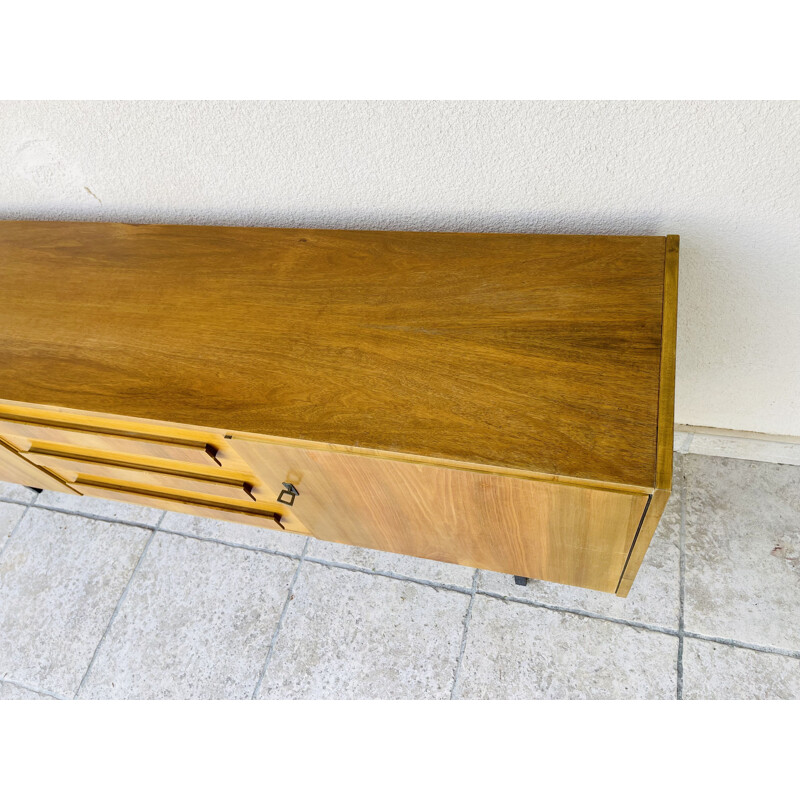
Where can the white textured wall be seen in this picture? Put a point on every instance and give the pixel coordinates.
(724, 176)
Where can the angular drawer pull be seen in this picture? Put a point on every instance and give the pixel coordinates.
(123, 441)
(172, 475)
(290, 491)
(183, 499)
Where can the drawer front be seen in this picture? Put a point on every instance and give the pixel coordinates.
(539, 529)
(260, 515)
(165, 474)
(138, 461)
(22, 431)
(16, 469)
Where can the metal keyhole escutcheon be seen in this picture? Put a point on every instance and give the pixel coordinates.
(289, 491)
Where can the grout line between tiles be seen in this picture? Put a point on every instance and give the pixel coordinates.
(467, 617)
(276, 633)
(324, 562)
(19, 522)
(776, 651)
(25, 686)
(680, 633)
(236, 545)
(121, 600)
(681, 582)
(579, 613)
(98, 517)
(381, 573)
(384, 574)
(13, 502)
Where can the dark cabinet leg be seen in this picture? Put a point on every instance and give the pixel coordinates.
(520, 581)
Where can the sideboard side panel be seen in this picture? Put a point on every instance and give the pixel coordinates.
(666, 418)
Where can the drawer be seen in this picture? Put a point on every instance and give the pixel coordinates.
(21, 430)
(260, 516)
(16, 469)
(166, 475)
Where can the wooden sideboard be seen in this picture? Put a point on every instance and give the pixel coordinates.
(503, 401)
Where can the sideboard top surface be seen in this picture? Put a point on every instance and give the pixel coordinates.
(533, 352)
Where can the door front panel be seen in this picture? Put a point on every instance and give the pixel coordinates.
(544, 530)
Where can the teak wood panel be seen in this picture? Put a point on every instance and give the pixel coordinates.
(23, 428)
(526, 352)
(64, 462)
(666, 420)
(274, 518)
(25, 425)
(16, 469)
(72, 467)
(542, 530)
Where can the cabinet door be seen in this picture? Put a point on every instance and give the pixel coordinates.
(538, 529)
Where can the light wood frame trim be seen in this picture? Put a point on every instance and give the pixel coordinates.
(666, 419)
(40, 477)
(7, 406)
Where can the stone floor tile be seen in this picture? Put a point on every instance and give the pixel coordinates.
(196, 623)
(743, 551)
(60, 579)
(408, 566)
(234, 533)
(13, 491)
(713, 671)
(745, 448)
(122, 512)
(654, 598)
(10, 515)
(350, 635)
(10, 691)
(520, 652)
(681, 441)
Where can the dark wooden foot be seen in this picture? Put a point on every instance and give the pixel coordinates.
(520, 581)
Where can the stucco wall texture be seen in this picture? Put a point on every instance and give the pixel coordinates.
(725, 176)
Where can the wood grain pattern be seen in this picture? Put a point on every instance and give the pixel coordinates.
(225, 455)
(642, 541)
(15, 469)
(65, 429)
(259, 516)
(525, 352)
(499, 401)
(70, 467)
(143, 454)
(666, 419)
(541, 530)
(666, 395)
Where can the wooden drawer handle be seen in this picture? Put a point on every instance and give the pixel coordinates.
(100, 465)
(152, 438)
(176, 498)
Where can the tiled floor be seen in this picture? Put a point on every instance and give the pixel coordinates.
(106, 600)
